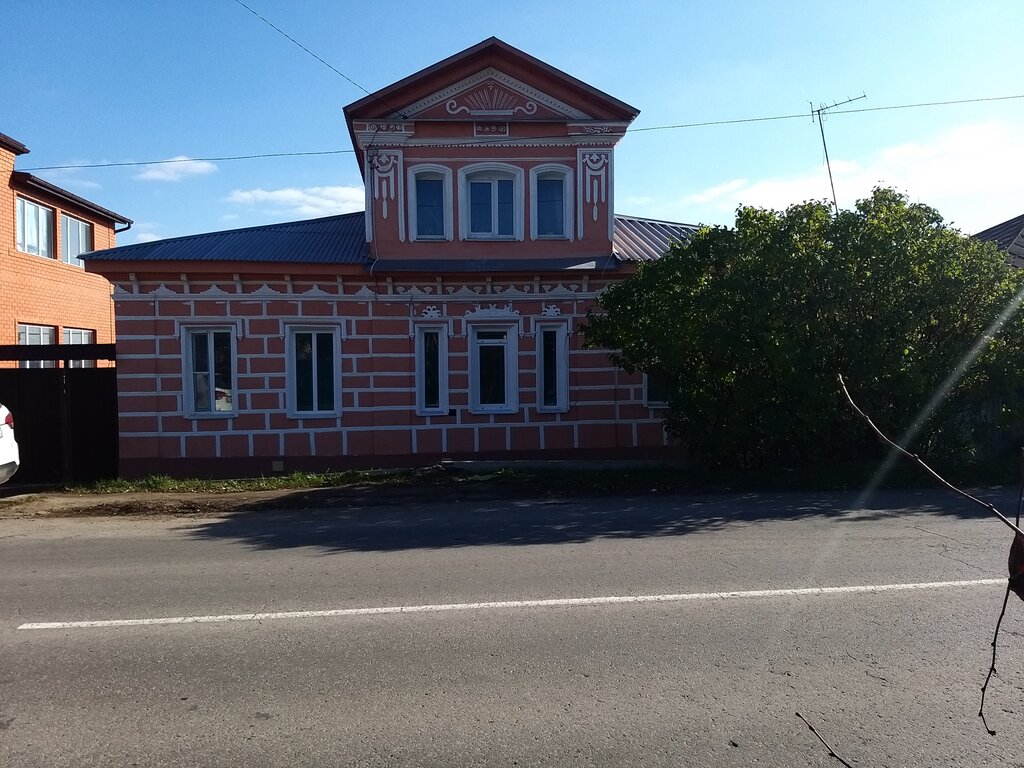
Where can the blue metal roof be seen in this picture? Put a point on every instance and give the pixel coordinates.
(330, 240)
(342, 240)
(639, 239)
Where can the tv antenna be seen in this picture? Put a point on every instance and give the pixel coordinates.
(817, 113)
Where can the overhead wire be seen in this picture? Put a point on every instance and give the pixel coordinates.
(507, 140)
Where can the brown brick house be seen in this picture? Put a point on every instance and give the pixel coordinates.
(48, 298)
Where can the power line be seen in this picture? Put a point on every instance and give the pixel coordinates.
(506, 140)
(281, 31)
(315, 56)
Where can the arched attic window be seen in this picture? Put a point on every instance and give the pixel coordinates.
(551, 203)
(430, 202)
(491, 202)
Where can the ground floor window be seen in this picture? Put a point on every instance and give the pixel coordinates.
(79, 336)
(211, 366)
(657, 387)
(431, 370)
(493, 369)
(36, 335)
(313, 370)
(552, 367)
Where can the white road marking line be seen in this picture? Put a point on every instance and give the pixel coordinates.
(565, 602)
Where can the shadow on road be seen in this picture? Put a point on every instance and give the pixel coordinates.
(322, 519)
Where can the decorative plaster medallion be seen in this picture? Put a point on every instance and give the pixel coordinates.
(431, 312)
(551, 310)
(490, 129)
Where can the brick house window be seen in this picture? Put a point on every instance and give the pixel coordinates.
(79, 336)
(491, 202)
(211, 365)
(76, 239)
(430, 202)
(313, 371)
(431, 370)
(552, 367)
(657, 387)
(493, 369)
(551, 212)
(35, 335)
(34, 228)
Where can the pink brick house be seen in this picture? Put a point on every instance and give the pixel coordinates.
(442, 322)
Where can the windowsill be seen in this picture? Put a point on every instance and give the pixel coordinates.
(313, 414)
(37, 255)
(656, 406)
(212, 415)
(430, 238)
(552, 409)
(505, 238)
(433, 412)
(552, 237)
(503, 410)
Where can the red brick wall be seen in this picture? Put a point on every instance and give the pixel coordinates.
(378, 423)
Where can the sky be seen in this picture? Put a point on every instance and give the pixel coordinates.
(140, 80)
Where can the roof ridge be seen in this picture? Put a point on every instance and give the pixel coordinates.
(656, 221)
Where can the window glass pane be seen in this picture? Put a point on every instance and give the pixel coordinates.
(431, 370)
(491, 366)
(491, 335)
(504, 206)
(658, 387)
(325, 371)
(304, 371)
(550, 211)
(200, 352)
(429, 207)
(45, 228)
(31, 228)
(480, 206)
(222, 371)
(549, 365)
(20, 225)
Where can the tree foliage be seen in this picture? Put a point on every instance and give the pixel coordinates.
(751, 324)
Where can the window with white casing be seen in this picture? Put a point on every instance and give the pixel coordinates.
(35, 335)
(494, 368)
(210, 367)
(79, 336)
(552, 367)
(33, 228)
(432, 370)
(491, 202)
(656, 389)
(551, 204)
(76, 239)
(430, 202)
(314, 371)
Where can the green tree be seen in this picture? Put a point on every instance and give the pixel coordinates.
(751, 324)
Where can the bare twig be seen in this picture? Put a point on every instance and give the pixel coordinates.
(1013, 583)
(999, 621)
(913, 456)
(831, 752)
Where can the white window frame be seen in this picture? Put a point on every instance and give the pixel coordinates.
(84, 227)
(446, 182)
(561, 366)
(79, 336)
(491, 172)
(31, 334)
(189, 385)
(44, 226)
(647, 401)
(511, 347)
(548, 171)
(441, 409)
(292, 396)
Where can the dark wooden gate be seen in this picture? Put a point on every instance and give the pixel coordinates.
(65, 419)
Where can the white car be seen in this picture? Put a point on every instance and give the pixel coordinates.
(9, 457)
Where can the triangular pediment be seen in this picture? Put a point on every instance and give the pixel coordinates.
(488, 94)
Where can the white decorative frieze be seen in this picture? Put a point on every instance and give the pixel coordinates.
(266, 290)
(465, 291)
(551, 310)
(213, 290)
(490, 129)
(431, 312)
(491, 99)
(317, 291)
(492, 312)
(366, 293)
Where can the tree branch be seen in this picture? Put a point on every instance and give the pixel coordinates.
(913, 456)
(831, 752)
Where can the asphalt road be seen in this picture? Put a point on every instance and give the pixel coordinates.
(889, 676)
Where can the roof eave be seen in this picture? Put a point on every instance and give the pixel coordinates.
(34, 182)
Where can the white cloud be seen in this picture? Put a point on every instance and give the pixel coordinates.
(971, 174)
(310, 201)
(176, 169)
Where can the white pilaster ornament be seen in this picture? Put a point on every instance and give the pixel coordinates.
(595, 181)
(386, 169)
